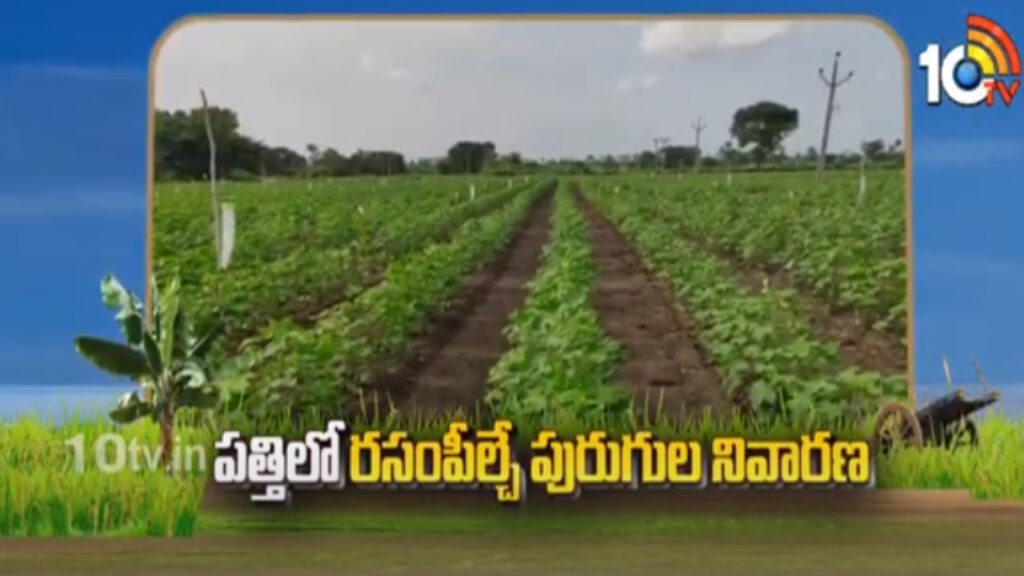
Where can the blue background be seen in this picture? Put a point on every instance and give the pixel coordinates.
(73, 95)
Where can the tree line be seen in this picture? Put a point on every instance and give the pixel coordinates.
(757, 135)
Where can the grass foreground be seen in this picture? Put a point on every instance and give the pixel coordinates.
(57, 480)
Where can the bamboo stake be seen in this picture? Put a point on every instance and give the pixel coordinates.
(214, 197)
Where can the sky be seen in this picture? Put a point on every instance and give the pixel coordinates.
(544, 89)
(73, 88)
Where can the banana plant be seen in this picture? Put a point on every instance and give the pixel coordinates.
(160, 354)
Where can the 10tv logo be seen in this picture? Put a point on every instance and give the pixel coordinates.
(985, 68)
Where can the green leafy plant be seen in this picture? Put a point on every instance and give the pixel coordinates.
(561, 361)
(326, 366)
(768, 355)
(160, 354)
(850, 255)
(312, 249)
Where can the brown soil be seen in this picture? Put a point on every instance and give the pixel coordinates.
(666, 370)
(859, 344)
(981, 545)
(448, 368)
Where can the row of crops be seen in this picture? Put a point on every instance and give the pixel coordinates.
(845, 248)
(301, 250)
(334, 283)
(327, 364)
(763, 348)
(560, 361)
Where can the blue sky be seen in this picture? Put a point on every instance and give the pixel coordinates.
(72, 154)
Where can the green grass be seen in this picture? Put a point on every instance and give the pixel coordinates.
(995, 470)
(43, 494)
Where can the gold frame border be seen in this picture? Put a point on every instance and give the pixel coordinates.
(629, 17)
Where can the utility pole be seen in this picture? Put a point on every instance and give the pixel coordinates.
(697, 129)
(659, 146)
(832, 83)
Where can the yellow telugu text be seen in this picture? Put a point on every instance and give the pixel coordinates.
(563, 466)
(463, 458)
(813, 460)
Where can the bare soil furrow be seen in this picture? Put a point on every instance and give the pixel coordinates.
(859, 344)
(447, 371)
(666, 370)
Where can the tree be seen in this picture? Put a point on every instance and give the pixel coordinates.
(283, 161)
(466, 157)
(163, 356)
(873, 149)
(680, 156)
(646, 160)
(422, 166)
(312, 154)
(729, 154)
(332, 163)
(763, 126)
(182, 149)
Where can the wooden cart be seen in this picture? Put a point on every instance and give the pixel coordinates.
(944, 422)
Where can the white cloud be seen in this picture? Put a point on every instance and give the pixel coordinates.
(969, 267)
(103, 74)
(103, 204)
(547, 89)
(369, 63)
(366, 61)
(959, 152)
(630, 84)
(398, 74)
(697, 37)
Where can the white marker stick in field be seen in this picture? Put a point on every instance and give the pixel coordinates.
(863, 179)
(227, 235)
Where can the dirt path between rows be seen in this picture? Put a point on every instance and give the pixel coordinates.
(666, 370)
(860, 345)
(447, 370)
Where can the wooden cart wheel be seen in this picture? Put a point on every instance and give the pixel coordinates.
(962, 434)
(897, 425)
